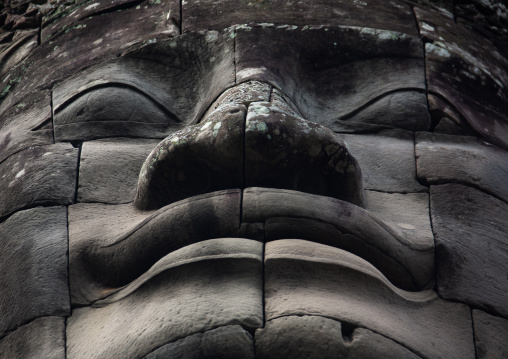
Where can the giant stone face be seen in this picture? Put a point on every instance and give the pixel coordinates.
(253, 179)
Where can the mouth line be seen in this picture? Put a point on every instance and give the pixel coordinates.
(261, 214)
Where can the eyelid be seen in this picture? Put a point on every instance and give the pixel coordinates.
(69, 101)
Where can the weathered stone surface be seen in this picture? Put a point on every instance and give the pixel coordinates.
(43, 175)
(204, 15)
(282, 151)
(18, 48)
(109, 169)
(486, 17)
(42, 338)
(406, 261)
(150, 92)
(63, 16)
(318, 337)
(199, 159)
(381, 80)
(305, 278)
(446, 118)
(221, 285)
(109, 246)
(468, 70)
(471, 246)
(467, 160)
(229, 342)
(242, 94)
(406, 214)
(490, 335)
(25, 125)
(386, 159)
(87, 42)
(33, 263)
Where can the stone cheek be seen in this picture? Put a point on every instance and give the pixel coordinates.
(490, 335)
(471, 246)
(36, 283)
(43, 175)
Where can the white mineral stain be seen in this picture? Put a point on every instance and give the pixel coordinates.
(212, 36)
(427, 27)
(205, 126)
(47, 153)
(216, 129)
(244, 27)
(406, 226)
(97, 42)
(250, 72)
(20, 173)
(437, 50)
(91, 6)
(261, 126)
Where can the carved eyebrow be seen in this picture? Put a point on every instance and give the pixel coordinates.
(96, 86)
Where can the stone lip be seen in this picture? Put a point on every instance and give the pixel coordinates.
(128, 260)
(209, 250)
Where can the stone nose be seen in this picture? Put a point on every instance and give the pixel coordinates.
(244, 143)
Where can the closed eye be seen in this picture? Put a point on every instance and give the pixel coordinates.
(113, 110)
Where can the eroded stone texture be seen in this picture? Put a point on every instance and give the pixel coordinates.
(199, 159)
(150, 92)
(381, 80)
(109, 169)
(221, 286)
(229, 342)
(490, 335)
(25, 125)
(471, 246)
(467, 160)
(43, 175)
(33, 263)
(467, 70)
(386, 159)
(305, 278)
(42, 338)
(86, 42)
(209, 14)
(242, 94)
(282, 151)
(318, 337)
(63, 16)
(11, 53)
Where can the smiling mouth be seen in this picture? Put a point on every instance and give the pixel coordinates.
(257, 173)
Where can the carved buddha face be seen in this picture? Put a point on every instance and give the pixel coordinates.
(270, 189)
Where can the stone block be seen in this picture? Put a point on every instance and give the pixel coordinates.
(42, 175)
(109, 169)
(471, 246)
(33, 263)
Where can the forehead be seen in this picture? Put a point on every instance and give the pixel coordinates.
(313, 51)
